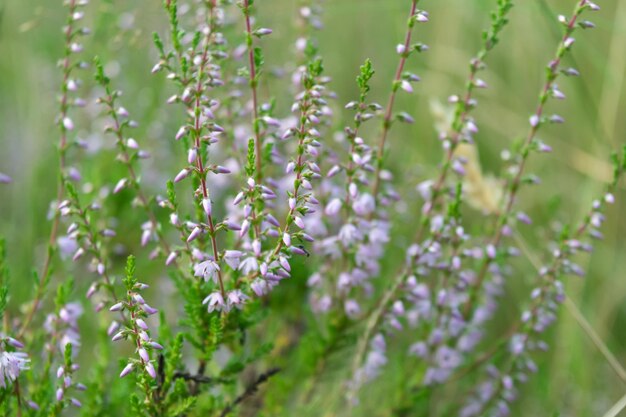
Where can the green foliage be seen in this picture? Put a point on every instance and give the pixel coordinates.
(64, 291)
(311, 350)
(363, 79)
(250, 159)
(183, 407)
(498, 21)
(130, 280)
(259, 59)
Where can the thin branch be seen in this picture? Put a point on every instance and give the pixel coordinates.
(46, 270)
(392, 99)
(252, 388)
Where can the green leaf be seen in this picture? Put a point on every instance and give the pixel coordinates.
(259, 60)
(158, 43)
(183, 407)
(365, 76)
(130, 279)
(250, 159)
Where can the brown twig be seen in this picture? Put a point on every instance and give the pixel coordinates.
(252, 388)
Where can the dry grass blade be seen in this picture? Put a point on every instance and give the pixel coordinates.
(617, 408)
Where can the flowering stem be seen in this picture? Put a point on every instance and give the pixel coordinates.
(549, 276)
(199, 164)
(109, 100)
(378, 312)
(574, 311)
(460, 118)
(463, 108)
(253, 87)
(94, 248)
(298, 181)
(392, 99)
(502, 221)
(67, 69)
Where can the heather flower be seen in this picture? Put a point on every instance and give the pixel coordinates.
(257, 189)
(136, 328)
(215, 302)
(236, 298)
(233, 258)
(207, 270)
(12, 363)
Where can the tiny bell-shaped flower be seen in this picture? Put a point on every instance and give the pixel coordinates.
(206, 205)
(127, 369)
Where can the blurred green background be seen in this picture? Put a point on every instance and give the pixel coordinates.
(574, 379)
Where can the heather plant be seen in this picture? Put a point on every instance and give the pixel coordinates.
(263, 218)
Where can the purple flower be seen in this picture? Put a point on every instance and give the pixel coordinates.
(215, 302)
(260, 287)
(333, 207)
(11, 365)
(207, 270)
(127, 369)
(447, 358)
(233, 258)
(352, 308)
(249, 265)
(236, 298)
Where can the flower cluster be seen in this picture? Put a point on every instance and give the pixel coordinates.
(499, 387)
(137, 330)
(451, 311)
(66, 383)
(275, 200)
(12, 362)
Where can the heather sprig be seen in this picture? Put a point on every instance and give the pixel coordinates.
(504, 372)
(438, 230)
(293, 266)
(308, 105)
(69, 85)
(200, 129)
(138, 332)
(66, 387)
(255, 69)
(90, 239)
(462, 127)
(531, 144)
(356, 247)
(402, 81)
(129, 152)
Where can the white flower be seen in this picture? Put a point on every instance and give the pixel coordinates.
(70, 313)
(207, 270)
(249, 265)
(236, 298)
(364, 205)
(333, 207)
(349, 234)
(67, 246)
(260, 287)
(352, 308)
(11, 365)
(233, 258)
(215, 302)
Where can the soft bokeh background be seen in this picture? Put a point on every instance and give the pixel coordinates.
(574, 379)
